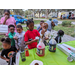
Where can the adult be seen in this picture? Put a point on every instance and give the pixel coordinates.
(7, 20)
(53, 23)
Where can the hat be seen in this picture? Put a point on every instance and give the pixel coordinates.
(55, 21)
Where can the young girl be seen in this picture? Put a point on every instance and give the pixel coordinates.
(31, 34)
(8, 49)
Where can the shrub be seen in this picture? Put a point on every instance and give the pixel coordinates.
(66, 23)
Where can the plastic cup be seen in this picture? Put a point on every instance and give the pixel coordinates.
(69, 59)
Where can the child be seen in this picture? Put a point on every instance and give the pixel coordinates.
(31, 34)
(40, 26)
(19, 38)
(45, 33)
(8, 49)
(12, 34)
(59, 35)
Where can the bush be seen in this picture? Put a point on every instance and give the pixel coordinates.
(66, 23)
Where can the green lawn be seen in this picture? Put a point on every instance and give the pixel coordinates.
(35, 22)
(67, 30)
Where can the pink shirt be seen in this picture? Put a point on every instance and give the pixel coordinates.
(9, 21)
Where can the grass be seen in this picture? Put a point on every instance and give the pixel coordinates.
(67, 30)
(35, 22)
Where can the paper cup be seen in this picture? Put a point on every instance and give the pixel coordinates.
(37, 38)
(69, 59)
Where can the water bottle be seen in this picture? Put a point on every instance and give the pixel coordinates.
(23, 58)
(26, 51)
(52, 45)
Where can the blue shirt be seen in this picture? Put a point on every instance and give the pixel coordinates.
(38, 28)
(49, 25)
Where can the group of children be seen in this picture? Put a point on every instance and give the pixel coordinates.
(17, 41)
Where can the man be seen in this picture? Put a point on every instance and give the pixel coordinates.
(53, 23)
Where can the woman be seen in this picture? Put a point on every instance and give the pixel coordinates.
(7, 20)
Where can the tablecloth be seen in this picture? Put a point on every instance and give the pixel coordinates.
(50, 58)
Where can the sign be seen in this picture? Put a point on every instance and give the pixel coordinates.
(3, 28)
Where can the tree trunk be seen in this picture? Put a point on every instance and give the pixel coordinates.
(39, 14)
(46, 13)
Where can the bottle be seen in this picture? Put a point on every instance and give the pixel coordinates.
(26, 51)
(22, 53)
(40, 48)
(52, 45)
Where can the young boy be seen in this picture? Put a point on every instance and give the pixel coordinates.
(12, 34)
(45, 33)
(19, 38)
(40, 26)
(59, 35)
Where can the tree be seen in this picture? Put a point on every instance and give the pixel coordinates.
(18, 11)
(1, 11)
(28, 12)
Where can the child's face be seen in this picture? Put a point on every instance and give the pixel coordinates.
(19, 30)
(31, 26)
(12, 29)
(41, 23)
(53, 24)
(6, 46)
(44, 26)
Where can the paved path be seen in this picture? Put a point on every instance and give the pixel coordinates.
(65, 38)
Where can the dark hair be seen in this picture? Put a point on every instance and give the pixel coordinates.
(28, 22)
(19, 26)
(42, 21)
(11, 26)
(6, 40)
(6, 10)
(60, 32)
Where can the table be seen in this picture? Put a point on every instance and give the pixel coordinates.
(50, 58)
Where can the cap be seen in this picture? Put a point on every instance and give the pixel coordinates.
(55, 21)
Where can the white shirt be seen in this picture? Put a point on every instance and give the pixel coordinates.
(47, 34)
(20, 43)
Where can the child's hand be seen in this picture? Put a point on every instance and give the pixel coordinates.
(46, 38)
(7, 60)
(43, 31)
(35, 40)
(15, 38)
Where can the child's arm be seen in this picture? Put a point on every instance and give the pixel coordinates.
(10, 36)
(29, 42)
(5, 58)
(39, 29)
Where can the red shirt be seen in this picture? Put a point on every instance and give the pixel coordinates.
(31, 35)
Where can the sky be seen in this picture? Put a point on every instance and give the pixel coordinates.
(25, 9)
